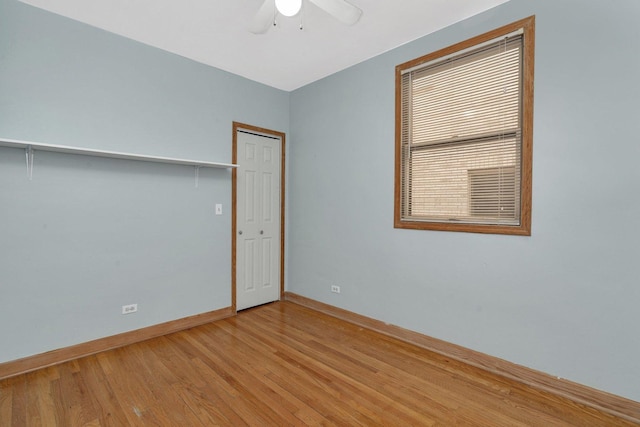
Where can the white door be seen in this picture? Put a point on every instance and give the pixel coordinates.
(257, 219)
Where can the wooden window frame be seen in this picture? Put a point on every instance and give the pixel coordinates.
(524, 226)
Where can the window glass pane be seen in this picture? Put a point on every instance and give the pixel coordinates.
(441, 177)
(474, 96)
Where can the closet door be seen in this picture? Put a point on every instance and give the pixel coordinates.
(257, 219)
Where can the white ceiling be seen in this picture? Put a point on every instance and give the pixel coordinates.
(214, 32)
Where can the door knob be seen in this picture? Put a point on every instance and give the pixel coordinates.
(261, 232)
(240, 232)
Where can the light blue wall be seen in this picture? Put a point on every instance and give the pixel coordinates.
(565, 300)
(88, 235)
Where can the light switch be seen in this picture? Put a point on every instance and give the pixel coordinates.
(218, 209)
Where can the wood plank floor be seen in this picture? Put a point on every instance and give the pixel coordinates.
(277, 365)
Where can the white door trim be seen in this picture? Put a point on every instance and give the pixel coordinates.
(234, 183)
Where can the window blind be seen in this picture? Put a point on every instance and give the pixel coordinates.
(461, 136)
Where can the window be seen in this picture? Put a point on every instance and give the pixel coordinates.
(464, 118)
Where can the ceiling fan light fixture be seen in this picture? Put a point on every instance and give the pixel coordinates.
(289, 7)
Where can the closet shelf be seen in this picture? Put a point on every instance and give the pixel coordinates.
(111, 154)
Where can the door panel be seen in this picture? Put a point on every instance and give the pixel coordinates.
(267, 280)
(249, 270)
(249, 196)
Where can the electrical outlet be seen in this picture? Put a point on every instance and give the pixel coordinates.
(128, 309)
(335, 289)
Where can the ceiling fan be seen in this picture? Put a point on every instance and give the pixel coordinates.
(342, 10)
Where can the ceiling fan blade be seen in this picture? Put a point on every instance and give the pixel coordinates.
(264, 18)
(340, 9)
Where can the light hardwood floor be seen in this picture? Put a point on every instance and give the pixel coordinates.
(276, 365)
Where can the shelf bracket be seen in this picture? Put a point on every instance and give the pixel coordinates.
(197, 171)
(28, 151)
